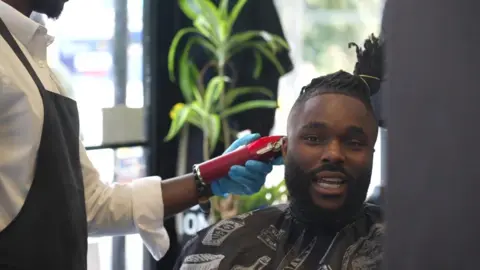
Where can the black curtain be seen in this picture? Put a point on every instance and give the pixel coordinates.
(432, 105)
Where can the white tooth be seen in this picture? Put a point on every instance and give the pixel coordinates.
(335, 180)
(329, 186)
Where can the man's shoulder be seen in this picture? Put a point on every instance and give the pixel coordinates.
(374, 212)
(216, 234)
(245, 218)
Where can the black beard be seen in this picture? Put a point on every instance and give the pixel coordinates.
(302, 206)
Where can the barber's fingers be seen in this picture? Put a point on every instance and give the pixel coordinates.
(258, 167)
(251, 177)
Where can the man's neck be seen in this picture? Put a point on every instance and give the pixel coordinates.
(22, 6)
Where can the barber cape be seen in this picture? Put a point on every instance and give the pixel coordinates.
(272, 239)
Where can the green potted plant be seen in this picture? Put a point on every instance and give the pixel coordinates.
(208, 105)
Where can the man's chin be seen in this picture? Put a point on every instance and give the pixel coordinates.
(329, 204)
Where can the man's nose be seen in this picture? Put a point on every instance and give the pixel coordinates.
(333, 153)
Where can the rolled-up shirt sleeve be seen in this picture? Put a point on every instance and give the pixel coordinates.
(118, 209)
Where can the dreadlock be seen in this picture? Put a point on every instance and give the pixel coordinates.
(363, 83)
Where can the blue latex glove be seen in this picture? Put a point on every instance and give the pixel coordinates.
(244, 180)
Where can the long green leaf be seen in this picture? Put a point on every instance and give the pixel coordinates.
(248, 105)
(258, 65)
(270, 56)
(184, 80)
(243, 40)
(178, 121)
(173, 49)
(189, 8)
(215, 87)
(262, 48)
(223, 7)
(235, 12)
(206, 44)
(275, 42)
(199, 109)
(233, 94)
(188, 73)
(208, 31)
(211, 14)
(214, 126)
(242, 37)
(195, 119)
(194, 73)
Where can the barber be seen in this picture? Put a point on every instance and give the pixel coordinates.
(51, 196)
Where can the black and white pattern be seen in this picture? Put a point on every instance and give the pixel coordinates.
(271, 236)
(296, 263)
(269, 239)
(220, 231)
(202, 262)
(261, 263)
(367, 252)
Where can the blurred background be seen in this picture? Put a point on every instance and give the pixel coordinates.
(112, 56)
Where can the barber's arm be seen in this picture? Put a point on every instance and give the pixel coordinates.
(142, 205)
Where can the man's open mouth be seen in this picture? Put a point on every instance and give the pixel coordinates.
(330, 183)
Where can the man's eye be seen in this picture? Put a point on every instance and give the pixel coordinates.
(355, 143)
(312, 139)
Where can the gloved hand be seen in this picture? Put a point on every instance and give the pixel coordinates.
(244, 180)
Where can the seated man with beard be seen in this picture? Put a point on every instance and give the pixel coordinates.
(328, 155)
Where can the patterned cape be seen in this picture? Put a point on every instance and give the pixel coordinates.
(271, 239)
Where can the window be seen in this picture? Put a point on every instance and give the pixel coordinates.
(318, 42)
(83, 55)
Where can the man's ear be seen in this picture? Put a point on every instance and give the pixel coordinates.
(284, 149)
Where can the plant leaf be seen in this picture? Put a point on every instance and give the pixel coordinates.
(194, 73)
(270, 56)
(195, 119)
(238, 42)
(206, 29)
(223, 7)
(188, 72)
(190, 8)
(211, 14)
(215, 87)
(214, 126)
(178, 122)
(199, 110)
(232, 94)
(173, 49)
(235, 12)
(248, 105)
(263, 49)
(242, 37)
(184, 80)
(258, 65)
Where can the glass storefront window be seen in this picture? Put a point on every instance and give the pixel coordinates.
(83, 49)
(83, 54)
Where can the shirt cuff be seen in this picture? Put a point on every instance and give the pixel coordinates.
(148, 214)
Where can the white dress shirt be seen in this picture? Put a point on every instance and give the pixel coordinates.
(111, 209)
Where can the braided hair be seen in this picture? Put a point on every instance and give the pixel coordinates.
(362, 84)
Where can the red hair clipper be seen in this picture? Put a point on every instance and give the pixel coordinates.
(263, 149)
